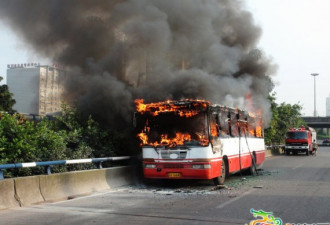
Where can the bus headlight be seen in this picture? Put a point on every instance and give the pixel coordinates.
(149, 166)
(201, 166)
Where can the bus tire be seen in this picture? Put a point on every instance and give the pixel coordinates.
(221, 179)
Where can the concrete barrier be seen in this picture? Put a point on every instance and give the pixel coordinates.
(121, 176)
(66, 185)
(268, 153)
(26, 191)
(7, 194)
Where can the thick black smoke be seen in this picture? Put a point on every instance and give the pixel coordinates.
(120, 50)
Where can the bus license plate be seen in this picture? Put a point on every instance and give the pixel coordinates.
(174, 174)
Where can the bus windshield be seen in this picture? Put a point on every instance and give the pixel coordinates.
(296, 135)
(170, 129)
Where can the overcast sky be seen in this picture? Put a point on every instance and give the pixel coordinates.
(296, 34)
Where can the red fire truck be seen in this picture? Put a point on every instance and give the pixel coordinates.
(301, 139)
(193, 139)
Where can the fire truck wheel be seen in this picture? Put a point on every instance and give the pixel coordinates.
(221, 179)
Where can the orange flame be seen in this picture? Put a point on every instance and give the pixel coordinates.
(214, 129)
(143, 137)
(169, 106)
(179, 139)
(185, 108)
(259, 124)
(258, 131)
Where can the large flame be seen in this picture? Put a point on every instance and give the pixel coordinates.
(259, 124)
(185, 108)
(257, 130)
(171, 106)
(179, 139)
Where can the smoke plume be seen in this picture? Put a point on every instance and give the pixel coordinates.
(120, 50)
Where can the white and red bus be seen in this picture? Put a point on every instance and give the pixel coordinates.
(192, 139)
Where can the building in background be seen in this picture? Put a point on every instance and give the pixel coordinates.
(327, 113)
(37, 89)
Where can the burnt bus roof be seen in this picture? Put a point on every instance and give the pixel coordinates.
(191, 104)
(173, 105)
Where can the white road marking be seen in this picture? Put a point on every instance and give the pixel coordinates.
(69, 210)
(235, 199)
(88, 196)
(300, 165)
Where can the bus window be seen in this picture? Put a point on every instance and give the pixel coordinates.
(259, 132)
(251, 132)
(214, 125)
(224, 124)
(234, 125)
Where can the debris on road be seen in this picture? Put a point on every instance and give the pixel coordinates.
(218, 187)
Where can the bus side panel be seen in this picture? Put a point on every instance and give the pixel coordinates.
(235, 163)
(239, 152)
(216, 167)
(260, 157)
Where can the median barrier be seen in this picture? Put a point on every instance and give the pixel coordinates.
(67, 185)
(268, 153)
(25, 191)
(7, 194)
(28, 190)
(120, 176)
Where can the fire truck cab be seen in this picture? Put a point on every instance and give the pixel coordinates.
(301, 139)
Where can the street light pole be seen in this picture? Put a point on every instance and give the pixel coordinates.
(314, 75)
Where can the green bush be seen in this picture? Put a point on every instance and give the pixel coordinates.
(67, 137)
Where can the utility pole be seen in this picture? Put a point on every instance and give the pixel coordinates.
(314, 75)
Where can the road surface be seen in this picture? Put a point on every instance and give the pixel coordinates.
(295, 189)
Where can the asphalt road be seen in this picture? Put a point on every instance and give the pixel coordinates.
(295, 189)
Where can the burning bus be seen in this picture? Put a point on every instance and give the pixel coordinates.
(193, 139)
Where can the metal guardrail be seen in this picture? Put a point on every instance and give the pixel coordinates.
(48, 164)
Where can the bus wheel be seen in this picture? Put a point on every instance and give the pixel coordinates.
(221, 179)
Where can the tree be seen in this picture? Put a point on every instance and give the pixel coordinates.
(69, 136)
(284, 116)
(6, 98)
(27, 141)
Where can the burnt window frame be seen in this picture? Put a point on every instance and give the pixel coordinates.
(234, 127)
(251, 124)
(224, 123)
(259, 121)
(214, 116)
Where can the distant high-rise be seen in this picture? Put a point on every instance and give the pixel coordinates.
(36, 89)
(328, 106)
